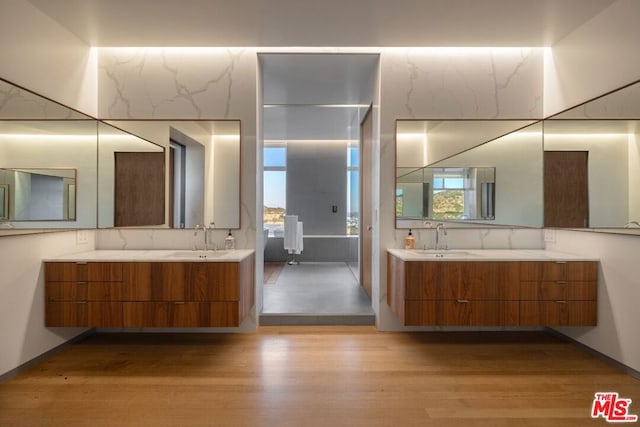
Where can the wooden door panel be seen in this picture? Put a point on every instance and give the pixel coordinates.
(168, 281)
(138, 282)
(566, 194)
(223, 281)
(139, 188)
(422, 280)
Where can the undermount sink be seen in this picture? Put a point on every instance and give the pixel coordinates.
(197, 254)
(443, 253)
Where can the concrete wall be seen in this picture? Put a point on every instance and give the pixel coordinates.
(317, 181)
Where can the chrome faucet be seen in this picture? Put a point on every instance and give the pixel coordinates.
(205, 231)
(440, 227)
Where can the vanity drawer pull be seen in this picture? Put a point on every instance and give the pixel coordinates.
(561, 302)
(179, 303)
(81, 283)
(560, 262)
(80, 302)
(81, 262)
(562, 282)
(463, 301)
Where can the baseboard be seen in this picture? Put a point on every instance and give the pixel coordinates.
(38, 359)
(609, 360)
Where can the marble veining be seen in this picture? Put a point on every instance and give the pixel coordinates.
(21, 104)
(464, 82)
(175, 82)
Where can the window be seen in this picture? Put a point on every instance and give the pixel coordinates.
(275, 186)
(448, 195)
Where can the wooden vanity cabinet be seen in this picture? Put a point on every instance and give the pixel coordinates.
(558, 293)
(83, 294)
(188, 294)
(475, 294)
(492, 293)
(149, 294)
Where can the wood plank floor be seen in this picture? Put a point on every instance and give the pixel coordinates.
(314, 376)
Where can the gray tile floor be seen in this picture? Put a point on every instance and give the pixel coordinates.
(316, 288)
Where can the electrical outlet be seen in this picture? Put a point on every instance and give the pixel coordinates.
(549, 236)
(82, 237)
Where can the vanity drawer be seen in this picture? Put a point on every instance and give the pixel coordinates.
(477, 313)
(491, 280)
(461, 313)
(84, 272)
(83, 291)
(547, 271)
(558, 290)
(83, 314)
(180, 314)
(558, 313)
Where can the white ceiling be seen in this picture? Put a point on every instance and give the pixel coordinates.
(321, 22)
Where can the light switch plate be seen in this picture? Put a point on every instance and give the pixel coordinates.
(82, 237)
(549, 236)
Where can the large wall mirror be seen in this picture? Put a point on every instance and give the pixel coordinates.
(177, 174)
(592, 164)
(469, 172)
(48, 164)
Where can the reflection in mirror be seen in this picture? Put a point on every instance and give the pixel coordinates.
(38, 194)
(493, 167)
(601, 140)
(200, 179)
(446, 193)
(608, 159)
(48, 173)
(39, 139)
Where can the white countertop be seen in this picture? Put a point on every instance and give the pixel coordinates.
(169, 255)
(486, 255)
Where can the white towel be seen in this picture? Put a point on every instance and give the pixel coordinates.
(299, 240)
(290, 232)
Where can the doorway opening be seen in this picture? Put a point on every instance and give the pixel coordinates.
(313, 106)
